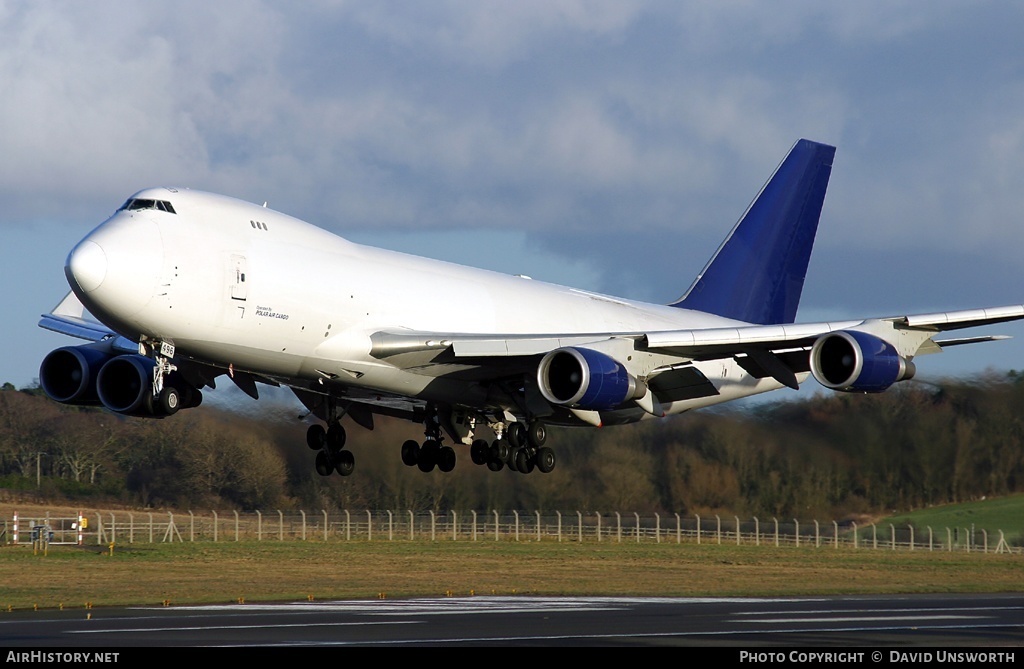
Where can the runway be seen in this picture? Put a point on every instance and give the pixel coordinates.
(910, 620)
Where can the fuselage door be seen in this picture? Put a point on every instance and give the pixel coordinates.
(236, 278)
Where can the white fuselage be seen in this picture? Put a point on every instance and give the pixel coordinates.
(232, 283)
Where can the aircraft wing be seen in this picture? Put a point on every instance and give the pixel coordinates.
(68, 318)
(703, 343)
(779, 351)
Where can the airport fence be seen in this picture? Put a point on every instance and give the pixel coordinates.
(127, 527)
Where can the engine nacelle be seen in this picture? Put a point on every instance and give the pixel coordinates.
(852, 361)
(125, 385)
(586, 379)
(68, 374)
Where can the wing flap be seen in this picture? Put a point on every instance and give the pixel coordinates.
(955, 320)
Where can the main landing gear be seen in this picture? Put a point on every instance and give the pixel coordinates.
(330, 445)
(432, 453)
(520, 447)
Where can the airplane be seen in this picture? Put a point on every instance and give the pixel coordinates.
(180, 287)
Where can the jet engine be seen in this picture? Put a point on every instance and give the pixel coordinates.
(586, 379)
(68, 374)
(92, 374)
(853, 361)
(125, 385)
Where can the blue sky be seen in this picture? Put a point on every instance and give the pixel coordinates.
(606, 145)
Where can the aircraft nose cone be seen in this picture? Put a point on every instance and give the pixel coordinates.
(87, 266)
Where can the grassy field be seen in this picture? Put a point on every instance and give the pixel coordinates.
(263, 571)
(206, 572)
(1003, 513)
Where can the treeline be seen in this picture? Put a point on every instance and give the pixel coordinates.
(831, 456)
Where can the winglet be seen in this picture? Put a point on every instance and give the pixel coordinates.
(758, 272)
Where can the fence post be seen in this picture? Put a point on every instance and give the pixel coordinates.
(776, 531)
(835, 534)
(697, 516)
(214, 526)
(303, 512)
(931, 544)
(598, 527)
(433, 526)
(637, 526)
(679, 530)
(236, 526)
(474, 524)
(984, 538)
(113, 528)
(259, 525)
(737, 530)
(817, 534)
(516, 514)
(348, 525)
(797, 524)
(911, 528)
(855, 542)
(559, 514)
(496, 523)
(657, 527)
(391, 526)
(326, 524)
(718, 528)
(537, 511)
(874, 536)
(892, 535)
(150, 526)
(280, 525)
(412, 524)
(369, 525)
(757, 531)
(455, 526)
(618, 524)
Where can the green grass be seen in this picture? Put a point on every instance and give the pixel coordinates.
(992, 515)
(189, 573)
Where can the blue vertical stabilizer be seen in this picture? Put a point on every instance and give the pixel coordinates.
(757, 274)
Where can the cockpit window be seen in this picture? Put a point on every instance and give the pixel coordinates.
(138, 204)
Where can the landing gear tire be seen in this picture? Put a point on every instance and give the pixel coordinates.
(545, 460)
(323, 464)
(446, 459)
(428, 455)
(169, 400)
(479, 452)
(344, 462)
(499, 451)
(514, 435)
(410, 453)
(316, 437)
(537, 433)
(336, 437)
(524, 460)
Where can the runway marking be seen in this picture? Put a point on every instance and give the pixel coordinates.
(639, 635)
(851, 619)
(193, 628)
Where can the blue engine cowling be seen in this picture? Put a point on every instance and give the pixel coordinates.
(853, 361)
(125, 385)
(68, 374)
(585, 379)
